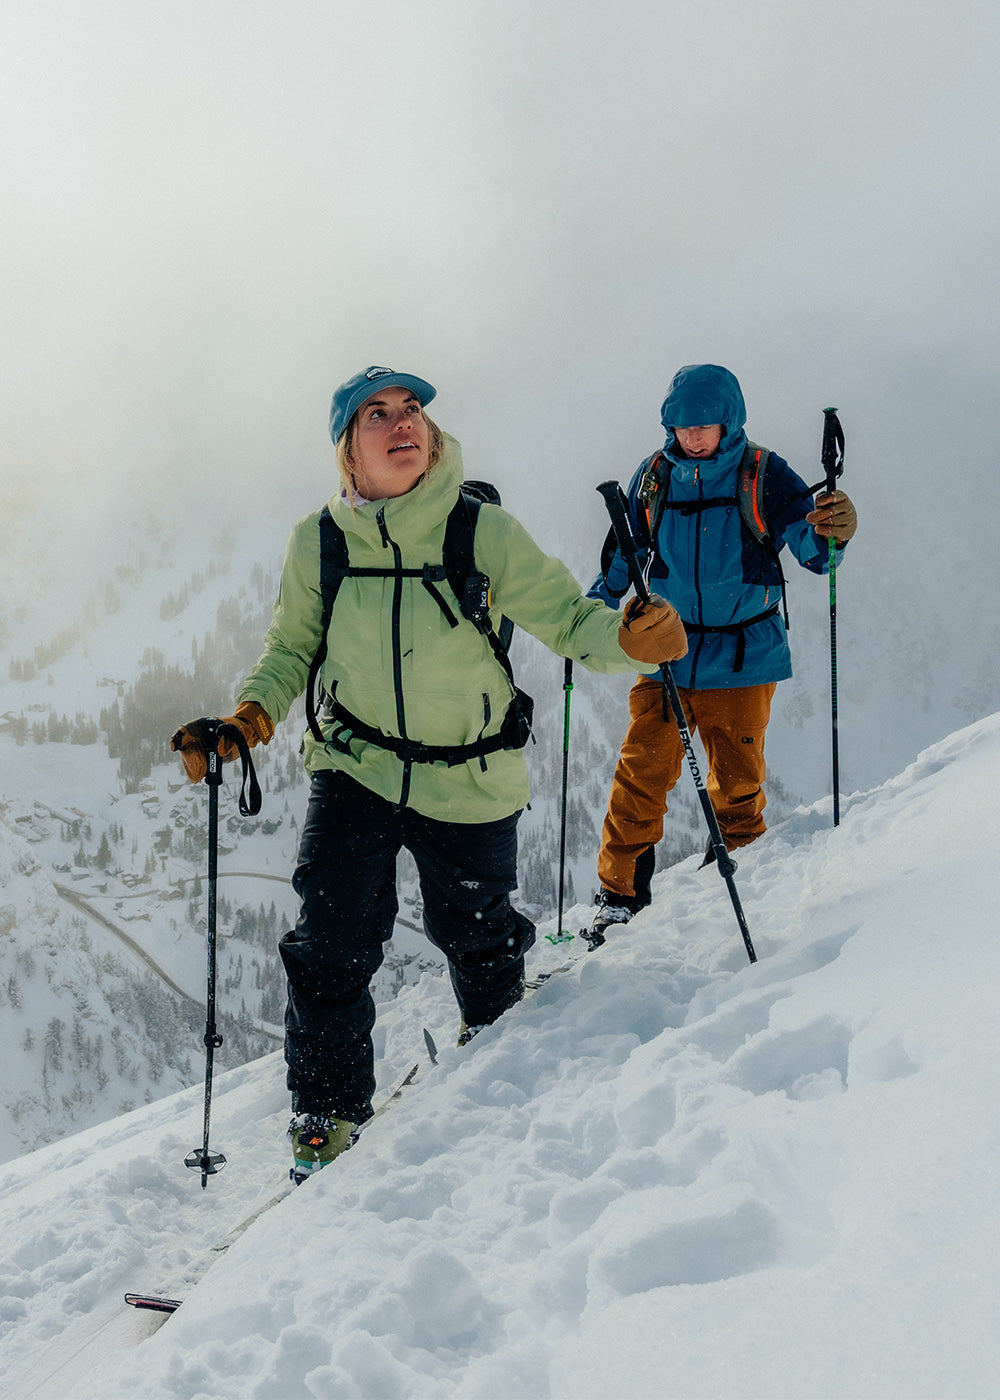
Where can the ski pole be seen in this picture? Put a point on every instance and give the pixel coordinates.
(833, 465)
(210, 731)
(614, 499)
(561, 935)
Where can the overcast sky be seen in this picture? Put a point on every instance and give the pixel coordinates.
(214, 212)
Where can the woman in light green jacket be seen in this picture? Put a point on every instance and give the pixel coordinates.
(419, 743)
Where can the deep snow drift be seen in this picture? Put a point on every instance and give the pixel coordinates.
(668, 1173)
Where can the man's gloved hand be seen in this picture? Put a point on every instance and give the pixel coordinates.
(652, 632)
(251, 719)
(834, 516)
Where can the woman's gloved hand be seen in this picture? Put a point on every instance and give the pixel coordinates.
(652, 632)
(251, 719)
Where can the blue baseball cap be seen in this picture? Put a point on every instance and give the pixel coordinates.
(349, 397)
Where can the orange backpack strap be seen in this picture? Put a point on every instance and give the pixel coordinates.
(751, 491)
(653, 488)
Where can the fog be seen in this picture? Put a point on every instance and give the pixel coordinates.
(215, 213)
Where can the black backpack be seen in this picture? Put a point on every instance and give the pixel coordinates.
(472, 589)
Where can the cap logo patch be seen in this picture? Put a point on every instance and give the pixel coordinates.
(376, 372)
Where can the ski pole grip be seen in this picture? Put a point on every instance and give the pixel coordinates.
(210, 729)
(833, 448)
(614, 499)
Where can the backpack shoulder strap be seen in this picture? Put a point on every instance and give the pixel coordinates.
(458, 552)
(460, 536)
(753, 470)
(751, 492)
(469, 584)
(654, 487)
(334, 565)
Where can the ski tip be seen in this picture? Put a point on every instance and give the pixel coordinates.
(152, 1302)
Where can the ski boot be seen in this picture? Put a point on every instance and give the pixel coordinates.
(317, 1138)
(611, 909)
(467, 1033)
(711, 858)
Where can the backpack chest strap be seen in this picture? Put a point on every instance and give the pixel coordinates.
(514, 733)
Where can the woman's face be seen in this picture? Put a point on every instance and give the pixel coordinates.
(391, 447)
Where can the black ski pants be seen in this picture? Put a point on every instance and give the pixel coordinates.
(346, 880)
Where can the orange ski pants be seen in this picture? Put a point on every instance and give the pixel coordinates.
(732, 724)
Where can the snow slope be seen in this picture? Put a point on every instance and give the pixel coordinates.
(669, 1173)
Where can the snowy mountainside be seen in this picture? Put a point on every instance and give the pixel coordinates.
(101, 1011)
(670, 1172)
(76, 1016)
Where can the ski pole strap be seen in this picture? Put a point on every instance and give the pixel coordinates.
(250, 798)
(607, 556)
(208, 732)
(831, 454)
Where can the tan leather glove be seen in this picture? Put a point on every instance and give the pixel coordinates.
(834, 516)
(251, 719)
(652, 632)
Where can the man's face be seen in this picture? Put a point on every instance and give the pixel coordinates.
(701, 442)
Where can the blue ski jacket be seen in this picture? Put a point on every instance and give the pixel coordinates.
(706, 561)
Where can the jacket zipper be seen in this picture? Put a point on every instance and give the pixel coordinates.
(697, 578)
(397, 646)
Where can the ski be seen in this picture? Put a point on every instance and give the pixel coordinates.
(531, 985)
(287, 1187)
(152, 1302)
(156, 1303)
(391, 1096)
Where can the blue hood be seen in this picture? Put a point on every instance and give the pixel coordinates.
(701, 394)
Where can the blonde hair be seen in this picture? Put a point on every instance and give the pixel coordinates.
(345, 449)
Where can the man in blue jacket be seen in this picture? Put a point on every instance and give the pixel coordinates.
(714, 512)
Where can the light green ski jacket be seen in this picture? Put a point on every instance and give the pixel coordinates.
(395, 662)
